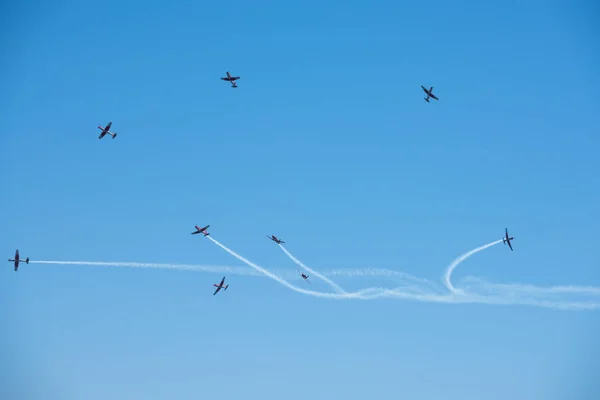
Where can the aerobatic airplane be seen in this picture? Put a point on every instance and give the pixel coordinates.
(429, 93)
(231, 79)
(17, 260)
(507, 239)
(201, 230)
(274, 238)
(106, 130)
(220, 286)
(304, 276)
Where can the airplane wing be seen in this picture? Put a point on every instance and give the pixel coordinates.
(108, 126)
(222, 281)
(205, 228)
(509, 245)
(434, 96)
(423, 87)
(217, 291)
(102, 135)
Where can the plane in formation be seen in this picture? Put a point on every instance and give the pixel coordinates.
(106, 130)
(304, 276)
(17, 260)
(274, 238)
(429, 93)
(231, 79)
(507, 239)
(201, 230)
(220, 286)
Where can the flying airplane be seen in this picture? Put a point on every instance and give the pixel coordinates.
(106, 130)
(274, 238)
(17, 260)
(201, 230)
(507, 239)
(429, 93)
(304, 276)
(231, 79)
(220, 286)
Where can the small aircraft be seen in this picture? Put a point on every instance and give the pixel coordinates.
(429, 93)
(274, 238)
(304, 276)
(507, 239)
(201, 230)
(17, 260)
(231, 79)
(220, 286)
(106, 130)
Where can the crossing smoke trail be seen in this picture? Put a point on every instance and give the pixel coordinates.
(310, 271)
(460, 259)
(474, 290)
(502, 298)
(365, 294)
(278, 279)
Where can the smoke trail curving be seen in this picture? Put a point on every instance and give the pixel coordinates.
(283, 281)
(460, 259)
(313, 272)
(475, 289)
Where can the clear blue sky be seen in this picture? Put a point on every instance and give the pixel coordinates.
(327, 143)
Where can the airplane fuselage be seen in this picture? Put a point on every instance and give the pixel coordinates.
(17, 260)
(274, 238)
(106, 130)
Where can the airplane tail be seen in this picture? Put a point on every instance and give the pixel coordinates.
(226, 286)
(426, 99)
(27, 260)
(114, 135)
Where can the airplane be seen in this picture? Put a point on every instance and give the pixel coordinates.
(106, 130)
(231, 79)
(274, 238)
(429, 93)
(220, 286)
(17, 260)
(304, 276)
(507, 239)
(201, 230)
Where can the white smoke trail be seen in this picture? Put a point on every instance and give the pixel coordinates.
(243, 271)
(525, 289)
(476, 290)
(282, 281)
(311, 271)
(460, 259)
(183, 267)
(415, 293)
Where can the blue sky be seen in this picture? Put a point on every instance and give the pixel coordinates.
(326, 143)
